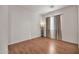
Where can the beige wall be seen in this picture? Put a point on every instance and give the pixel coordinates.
(3, 29)
(78, 26)
(24, 24)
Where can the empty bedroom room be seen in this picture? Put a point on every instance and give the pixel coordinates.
(39, 29)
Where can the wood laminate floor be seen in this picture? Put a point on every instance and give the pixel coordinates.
(42, 46)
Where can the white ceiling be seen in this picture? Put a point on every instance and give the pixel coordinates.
(42, 9)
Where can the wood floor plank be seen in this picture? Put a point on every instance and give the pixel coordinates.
(43, 45)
